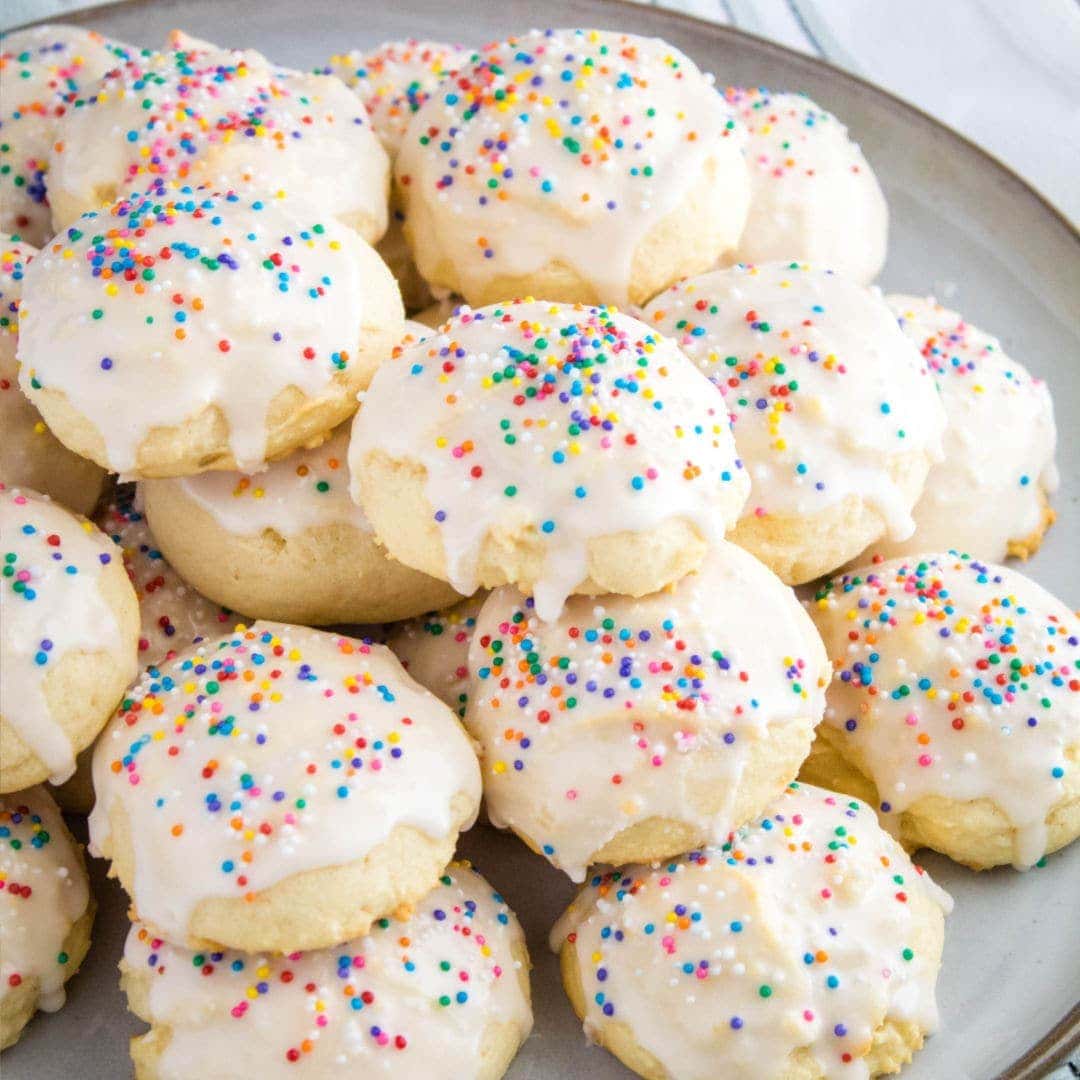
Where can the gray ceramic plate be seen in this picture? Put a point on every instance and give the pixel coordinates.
(963, 227)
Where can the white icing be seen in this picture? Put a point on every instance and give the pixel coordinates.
(570, 421)
(596, 722)
(51, 605)
(940, 666)
(814, 197)
(822, 387)
(434, 650)
(720, 962)
(200, 299)
(395, 79)
(43, 70)
(329, 747)
(999, 445)
(172, 614)
(565, 146)
(427, 990)
(43, 893)
(307, 489)
(224, 118)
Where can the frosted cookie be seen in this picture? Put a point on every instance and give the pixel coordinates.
(46, 909)
(990, 495)
(954, 707)
(434, 650)
(631, 730)
(813, 196)
(44, 70)
(443, 993)
(560, 448)
(835, 416)
(577, 165)
(30, 455)
(278, 789)
(199, 114)
(288, 543)
(181, 330)
(69, 623)
(393, 81)
(807, 946)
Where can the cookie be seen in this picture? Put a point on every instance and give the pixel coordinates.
(287, 543)
(990, 496)
(808, 945)
(46, 909)
(632, 730)
(836, 418)
(434, 650)
(577, 165)
(69, 627)
(560, 448)
(30, 455)
(441, 993)
(813, 196)
(199, 114)
(954, 706)
(44, 71)
(183, 330)
(279, 789)
(393, 81)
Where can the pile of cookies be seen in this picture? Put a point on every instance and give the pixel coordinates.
(648, 390)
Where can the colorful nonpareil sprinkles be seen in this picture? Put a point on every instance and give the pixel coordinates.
(804, 931)
(434, 650)
(956, 678)
(174, 616)
(188, 297)
(624, 711)
(416, 988)
(821, 390)
(52, 605)
(14, 257)
(395, 80)
(272, 750)
(43, 72)
(538, 136)
(562, 421)
(43, 891)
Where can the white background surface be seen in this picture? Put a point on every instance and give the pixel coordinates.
(1005, 74)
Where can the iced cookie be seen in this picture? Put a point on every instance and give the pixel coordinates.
(557, 447)
(287, 543)
(441, 994)
(69, 626)
(990, 496)
(30, 455)
(434, 650)
(808, 945)
(836, 418)
(278, 789)
(182, 330)
(813, 195)
(44, 70)
(196, 113)
(954, 706)
(632, 730)
(46, 909)
(576, 165)
(393, 81)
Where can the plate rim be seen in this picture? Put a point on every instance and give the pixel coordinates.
(1063, 1038)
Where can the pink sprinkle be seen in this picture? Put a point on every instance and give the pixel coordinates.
(652, 473)
(759, 511)
(925, 759)
(657, 759)
(808, 1016)
(290, 819)
(669, 944)
(239, 1010)
(911, 719)
(377, 764)
(826, 894)
(383, 1039)
(605, 443)
(702, 973)
(571, 794)
(23, 575)
(133, 779)
(321, 1020)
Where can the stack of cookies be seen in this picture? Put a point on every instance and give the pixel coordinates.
(578, 529)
